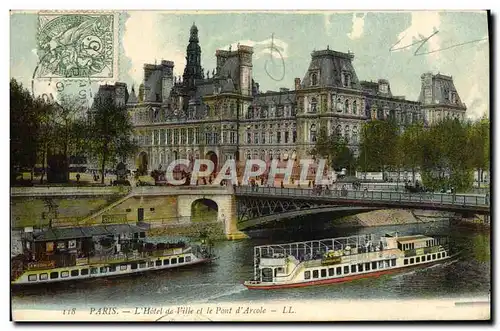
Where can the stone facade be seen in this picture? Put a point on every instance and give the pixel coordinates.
(223, 115)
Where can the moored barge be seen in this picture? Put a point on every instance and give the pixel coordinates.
(79, 253)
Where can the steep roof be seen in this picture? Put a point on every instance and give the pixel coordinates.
(331, 65)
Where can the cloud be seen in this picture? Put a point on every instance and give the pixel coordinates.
(147, 39)
(423, 25)
(327, 23)
(473, 85)
(269, 47)
(358, 24)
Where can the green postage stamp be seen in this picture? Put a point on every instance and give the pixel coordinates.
(77, 45)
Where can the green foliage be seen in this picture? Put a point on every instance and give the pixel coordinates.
(110, 131)
(378, 147)
(334, 148)
(446, 154)
(24, 125)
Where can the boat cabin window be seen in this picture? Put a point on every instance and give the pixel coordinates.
(267, 275)
(423, 258)
(75, 273)
(54, 275)
(133, 266)
(188, 259)
(381, 264)
(412, 260)
(64, 274)
(417, 259)
(104, 270)
(374, 265)
(331, 272)
(32, 278)
(439, 255)
(405, 262)
(315, 274)
(158, 263)
(166, 262)
(323, 273)
(412, 246)
(433, 256)
(174, 260)
(339, 270)
(393, 262)
(181, 260)
(84, 272)
(360, 267)
(44, 276)
(112, 268)
(353, 268)
(142, 265)
(444, 254)
(123, 267)
(151, 264)
(346, 269)
(307, 275)
(93, 271)
(367, 266)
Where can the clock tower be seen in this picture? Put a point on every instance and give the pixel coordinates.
(193, 68)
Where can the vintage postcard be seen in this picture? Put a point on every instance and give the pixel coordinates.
(250, 166)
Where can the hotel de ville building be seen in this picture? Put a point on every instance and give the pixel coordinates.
(222, 114)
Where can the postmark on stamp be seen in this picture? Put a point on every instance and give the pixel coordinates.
(77, 45)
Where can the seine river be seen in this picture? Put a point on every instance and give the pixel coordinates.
(222, 280)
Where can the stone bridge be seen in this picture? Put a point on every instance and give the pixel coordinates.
(238, 209)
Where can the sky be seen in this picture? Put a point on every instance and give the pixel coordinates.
(381, 43)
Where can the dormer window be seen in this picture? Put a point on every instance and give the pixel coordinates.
(383, 88)
(346, 79)
(314, 79)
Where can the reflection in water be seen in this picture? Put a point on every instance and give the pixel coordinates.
(222, 280)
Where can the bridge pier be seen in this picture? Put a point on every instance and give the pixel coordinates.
(230, 223)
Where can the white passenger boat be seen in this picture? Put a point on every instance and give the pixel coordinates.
(327, 261)
(65, 254)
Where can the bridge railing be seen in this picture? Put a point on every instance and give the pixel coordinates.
(434, 198)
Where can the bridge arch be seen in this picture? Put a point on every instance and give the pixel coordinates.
(204, 210)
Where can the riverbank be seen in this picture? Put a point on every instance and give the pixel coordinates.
(392, 217)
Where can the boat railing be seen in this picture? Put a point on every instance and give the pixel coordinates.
(316, 249)
(134, 256)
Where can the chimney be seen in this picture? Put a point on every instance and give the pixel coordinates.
(297, 83)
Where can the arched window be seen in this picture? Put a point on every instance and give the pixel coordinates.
(248, 155)
(314, 105)
(347, 133)
(338, 130)
(339, 105)
(346, 106)
(312, 133)
(314, 79)
(354, 137)
(354, 107)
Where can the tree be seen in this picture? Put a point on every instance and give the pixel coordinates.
(334, 148)
(446, 152)
(110, 133)
(378, 145)
(23, 129)
(410, 148)
(479, 146)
